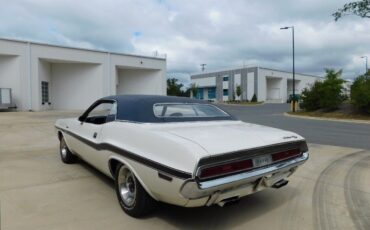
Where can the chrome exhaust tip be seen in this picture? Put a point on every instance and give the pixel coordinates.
(280, 183)
(227, 201)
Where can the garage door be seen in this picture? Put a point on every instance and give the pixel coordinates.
(273, 94)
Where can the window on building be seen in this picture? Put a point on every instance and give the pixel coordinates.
(226, 78)
(211, 92)
(226, 92)
(44, 92)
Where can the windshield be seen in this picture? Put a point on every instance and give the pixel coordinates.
(179, 110)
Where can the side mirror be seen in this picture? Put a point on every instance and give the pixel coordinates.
(81, 118)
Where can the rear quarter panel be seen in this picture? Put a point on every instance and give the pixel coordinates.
(157, 146)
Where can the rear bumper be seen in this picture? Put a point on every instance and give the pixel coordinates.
(193, 189)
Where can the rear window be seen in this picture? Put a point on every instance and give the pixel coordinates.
(179, 110)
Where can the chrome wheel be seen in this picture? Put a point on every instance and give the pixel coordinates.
(65, 154)
(127, 186)
(63, 149)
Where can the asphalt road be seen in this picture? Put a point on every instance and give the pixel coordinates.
(315, 131)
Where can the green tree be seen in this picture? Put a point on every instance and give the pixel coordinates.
(238, 91)
(174, 87)
(360, 92)
(331, 91)
(186, 93)
(359, 8)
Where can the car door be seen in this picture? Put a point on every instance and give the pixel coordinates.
(89, 130)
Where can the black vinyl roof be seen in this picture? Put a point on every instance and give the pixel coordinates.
(139, 108)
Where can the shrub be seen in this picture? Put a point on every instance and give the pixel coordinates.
(325, 95)
(254, 98)
(331, 91)
(311, 98)
(360, 92)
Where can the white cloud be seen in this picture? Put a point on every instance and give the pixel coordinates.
(220, 33)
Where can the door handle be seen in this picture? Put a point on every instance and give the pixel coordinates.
(95, 134)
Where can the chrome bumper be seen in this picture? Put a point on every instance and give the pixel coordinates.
(192, 189)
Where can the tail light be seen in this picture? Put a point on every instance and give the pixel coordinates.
(286, 154)
(227, 168)
(247, 164)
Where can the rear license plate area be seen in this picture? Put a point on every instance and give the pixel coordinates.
(262, 161)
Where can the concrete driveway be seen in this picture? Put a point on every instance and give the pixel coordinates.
(38, 191)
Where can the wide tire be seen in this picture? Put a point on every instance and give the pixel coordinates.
(132, 197)
(65, 154)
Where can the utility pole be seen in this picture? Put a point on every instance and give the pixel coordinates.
(203, 67)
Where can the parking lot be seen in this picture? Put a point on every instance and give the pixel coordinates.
(38, 191)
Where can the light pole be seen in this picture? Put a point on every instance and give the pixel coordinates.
(366, 69)
(285, 28)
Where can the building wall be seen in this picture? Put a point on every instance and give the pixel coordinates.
(19, 73)
(10, 76)
(70, 81)
(24, 65)
(139, 64)
(274, 89)
(302, 81)
(205, 82)
(139, 82)
(254, 80)
(250, 86)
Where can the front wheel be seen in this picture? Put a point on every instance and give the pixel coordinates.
(65, 154)
(132, 197)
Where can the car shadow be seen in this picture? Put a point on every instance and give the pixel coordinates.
(213, 217)
(216, 217)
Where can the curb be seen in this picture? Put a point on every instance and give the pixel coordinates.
(240, 104)
(329, 119)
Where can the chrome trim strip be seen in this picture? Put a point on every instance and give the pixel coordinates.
(193, 189)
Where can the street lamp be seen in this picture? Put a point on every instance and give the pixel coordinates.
(285, 28)
(365, 63)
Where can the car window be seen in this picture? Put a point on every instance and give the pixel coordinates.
(187, 110)
(102, 113)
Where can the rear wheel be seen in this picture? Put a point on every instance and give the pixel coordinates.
(132, 197)
(65, 154)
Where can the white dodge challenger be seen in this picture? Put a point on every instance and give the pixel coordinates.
(181, 151)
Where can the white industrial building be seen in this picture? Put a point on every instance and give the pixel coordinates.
(269, 85)
(50, 77)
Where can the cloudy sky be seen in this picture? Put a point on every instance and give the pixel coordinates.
(220, 33)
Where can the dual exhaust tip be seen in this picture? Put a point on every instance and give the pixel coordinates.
(235, 199)
(280, 183)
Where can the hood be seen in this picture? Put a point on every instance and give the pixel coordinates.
(228, 136)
